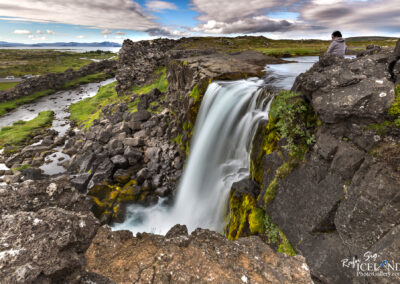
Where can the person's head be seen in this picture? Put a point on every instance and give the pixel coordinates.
(336, 34)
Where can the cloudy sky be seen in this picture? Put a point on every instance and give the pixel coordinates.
(115, 20)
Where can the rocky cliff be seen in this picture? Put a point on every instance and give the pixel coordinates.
(327, 175)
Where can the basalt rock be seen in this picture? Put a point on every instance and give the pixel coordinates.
(341, 200)
(46, 227)
(203, 257)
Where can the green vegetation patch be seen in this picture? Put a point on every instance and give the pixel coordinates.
(86, 111)
(246, 219)
(20, 62)
(7, 85)
(21, 131)
(10, 105)
(160, 83)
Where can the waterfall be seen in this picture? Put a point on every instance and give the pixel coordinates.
(219, 156)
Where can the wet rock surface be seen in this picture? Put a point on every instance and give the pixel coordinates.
(204, 256)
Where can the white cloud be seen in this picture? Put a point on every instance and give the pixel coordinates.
(260, 24)
(103, 14)
(21, 32)
(106, 32)
(160, 5)
(37, 38)
(80, 36)
(39, 32)
(50, 32)
(118, 37)
(119, 33)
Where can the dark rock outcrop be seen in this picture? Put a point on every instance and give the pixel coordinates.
(341, 200)
(46, 228)
(203, 257)
(137, 61)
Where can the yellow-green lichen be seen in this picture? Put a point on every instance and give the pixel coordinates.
(108, 199)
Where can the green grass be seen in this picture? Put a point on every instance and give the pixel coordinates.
(277, 48)
(86, 111)
(10, 105)
(21, 131)
(8, 85)
(160, 83)
(86, 80)
(19, 62)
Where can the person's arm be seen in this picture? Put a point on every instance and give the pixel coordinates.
(331, 47)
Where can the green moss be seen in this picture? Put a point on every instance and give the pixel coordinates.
(195, 94)
(256, 221)
(295, 121)
(394, 110)
(21, 131)
(133, 106)
(22, 167)
(269, 195)
(108, 199)
(245, 219)
(285, 246)
(160, 83)
(10, 105)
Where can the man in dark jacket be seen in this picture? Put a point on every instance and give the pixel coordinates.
(338, 45)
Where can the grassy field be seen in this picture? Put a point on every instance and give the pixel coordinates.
(21, 131)
(19, 62)
(277, 48)
(6, 86)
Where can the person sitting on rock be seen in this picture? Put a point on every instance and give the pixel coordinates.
(338, 45)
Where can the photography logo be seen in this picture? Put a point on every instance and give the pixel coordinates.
(372, 265)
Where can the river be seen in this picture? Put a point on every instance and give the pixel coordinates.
(58, 102)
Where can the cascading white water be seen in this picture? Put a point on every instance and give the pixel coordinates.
(219, 156)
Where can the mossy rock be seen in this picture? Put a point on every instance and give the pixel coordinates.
(108, 200)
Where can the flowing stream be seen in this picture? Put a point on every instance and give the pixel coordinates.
(58, 102)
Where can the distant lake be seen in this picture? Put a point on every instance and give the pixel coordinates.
(67, 48)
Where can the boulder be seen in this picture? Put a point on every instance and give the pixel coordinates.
(204, 256)
(46, 228)
(120, 161)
